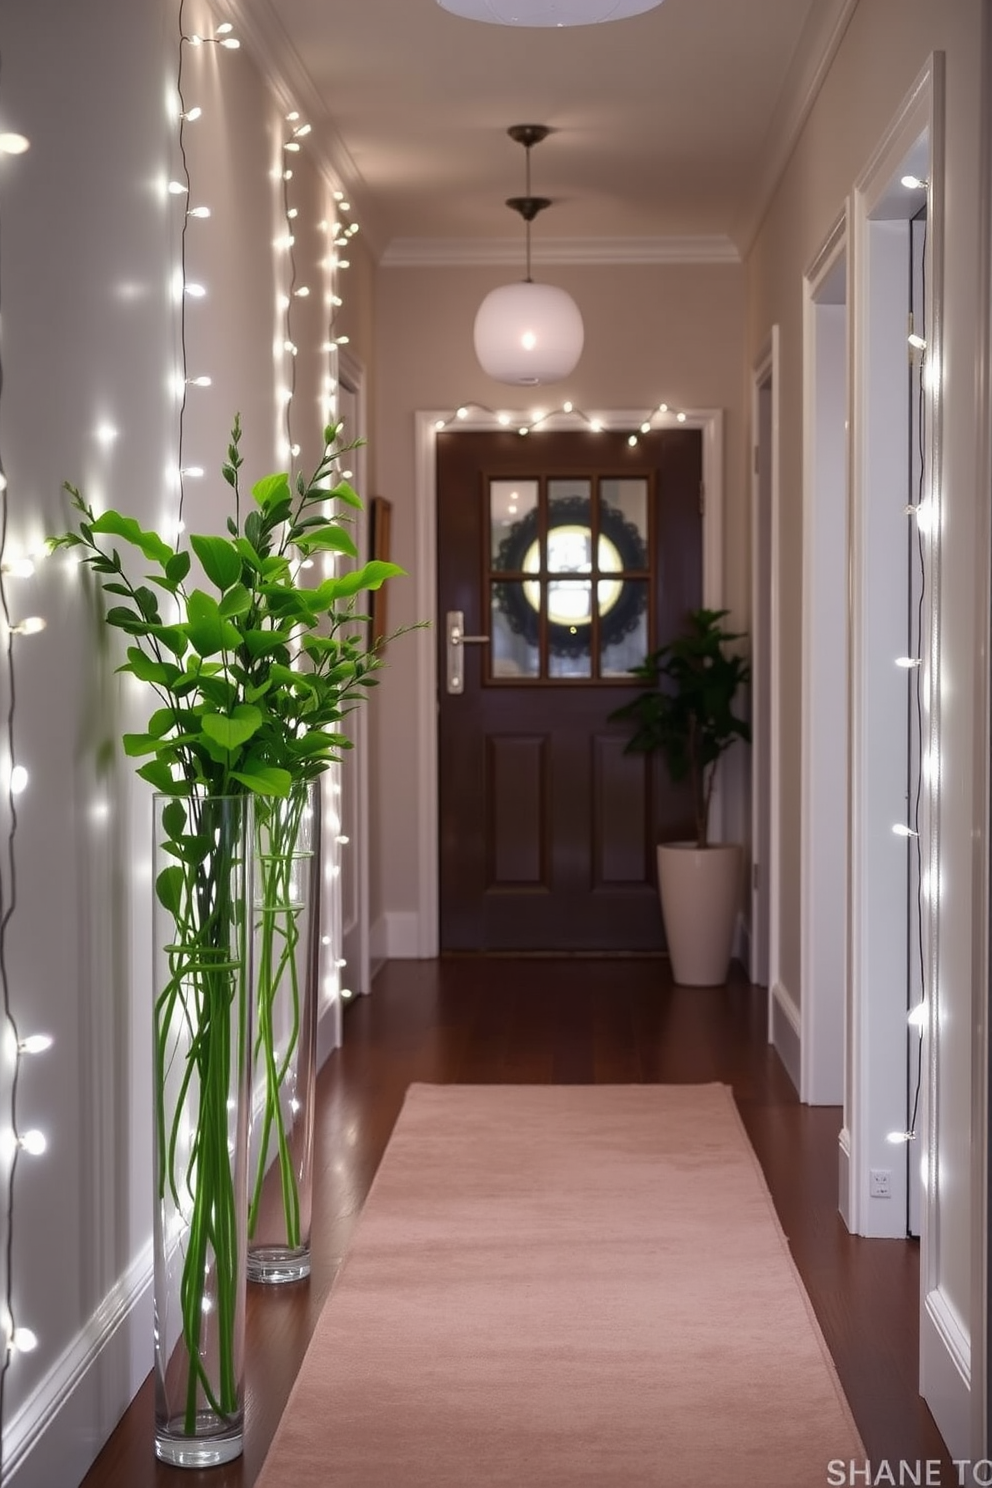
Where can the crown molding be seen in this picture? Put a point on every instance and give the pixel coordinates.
(814, 57)
(427, 253)
(265, 38)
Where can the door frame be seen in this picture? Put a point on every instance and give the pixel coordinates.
(427, 424)
(783, 1016)
(825, 677)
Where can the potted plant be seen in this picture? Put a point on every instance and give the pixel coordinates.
(248, 669)
(686, 714)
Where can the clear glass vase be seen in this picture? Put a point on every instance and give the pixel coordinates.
(201, 1065)
(286, 943)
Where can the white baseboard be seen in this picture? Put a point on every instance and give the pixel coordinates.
(786, 1032)
(328, 1032)
(395, 936)
(945, 1372)
(844, 1178)
(58, 1432)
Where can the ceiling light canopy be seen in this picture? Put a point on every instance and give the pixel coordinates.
(547, 12)
(528, 333)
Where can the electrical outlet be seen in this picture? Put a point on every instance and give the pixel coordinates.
(880, 1183)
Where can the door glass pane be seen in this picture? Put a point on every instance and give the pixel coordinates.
(512, 521)
(514, 632)
(623, 517)
(623, 631)
(569, 548)
(569, 628)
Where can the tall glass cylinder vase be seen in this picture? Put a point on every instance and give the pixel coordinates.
(202, 1030)
(286, 933)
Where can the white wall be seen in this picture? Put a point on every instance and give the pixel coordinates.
(90, 338)
(883, 52)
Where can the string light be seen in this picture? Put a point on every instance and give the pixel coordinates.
(17, 1338)
(543, 416)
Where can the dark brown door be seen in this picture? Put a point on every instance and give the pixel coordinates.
(574, 554)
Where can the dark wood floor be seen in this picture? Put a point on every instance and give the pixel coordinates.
(574, 1021)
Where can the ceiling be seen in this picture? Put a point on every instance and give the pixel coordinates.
(671, 125)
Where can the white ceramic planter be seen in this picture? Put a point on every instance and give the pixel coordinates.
(700, 896)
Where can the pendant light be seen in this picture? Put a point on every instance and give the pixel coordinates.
(547, 12)
(528, 333)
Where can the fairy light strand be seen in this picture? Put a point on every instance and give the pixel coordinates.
(525, 425)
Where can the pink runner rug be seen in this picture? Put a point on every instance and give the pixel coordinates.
(566, 1287)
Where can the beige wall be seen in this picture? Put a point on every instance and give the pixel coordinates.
(885, 49)
(671, 333)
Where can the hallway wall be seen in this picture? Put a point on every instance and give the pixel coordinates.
(654, 333)
(90, 346)
(885, 49)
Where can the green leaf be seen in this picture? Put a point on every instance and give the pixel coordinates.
(271, 489)
(266, 780)
(174, 819)
(208, 631)
(127, 620)
(147, 602)
(331, 539)
(220, 559)
(159, 775)
(230, 733)
(346, 493)
(138, 744)
(177, 567)
(150, 543)
(259, 642)
(172, 637)
(237, 601)
(146, 669)
(169, 889)
(246, 550)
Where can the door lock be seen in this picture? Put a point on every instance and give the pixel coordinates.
(457, 641)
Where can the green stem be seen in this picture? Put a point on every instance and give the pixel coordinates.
(276, 853)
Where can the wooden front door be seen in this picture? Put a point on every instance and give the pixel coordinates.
(573, 554)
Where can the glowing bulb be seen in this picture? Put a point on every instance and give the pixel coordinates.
(198, 212)
(31, 625)
(231, 42)
(36, 1043)
(292, 117)
(17, 568)
(918, 1017)
(195, 472)
(342, 340)
(291, 145)
(33, 1141)
(195, 291)
(302, 292)
(903, 831)
(503, 418)
(595, 426)
(566, 408)
(439, 423)
(631, 439)
(105, 434)
(23, 1341)
(344, 842)
(201, 381)
(897, 1137)
(293, 213)
(193, 114)
(523, 429)
(225, 28)
(14, 144)
(18, 782)
(917, 341)
(645, 428)
(680, 418)
(461, 413)
(913, 183)
(339, 196)
(303, 130)
(907, 662)
(662, 407)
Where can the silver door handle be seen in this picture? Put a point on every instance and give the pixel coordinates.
(457, 641)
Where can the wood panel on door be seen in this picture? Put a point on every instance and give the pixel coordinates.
(574, 553)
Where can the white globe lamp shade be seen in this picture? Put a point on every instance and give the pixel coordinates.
(547, 12)
(528, 333)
